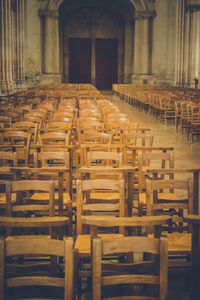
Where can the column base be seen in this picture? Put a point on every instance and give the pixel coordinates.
(7, 87)
(143, 79)
(50, 78)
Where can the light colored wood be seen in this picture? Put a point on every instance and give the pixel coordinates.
(125, 279)
(192, 218)
(163, 268)
(2, 266)
(83, 242)
(84, 204)
(21, 138)
(178, 242)
(96, 269)
(33, 222)
(112, 221)
(124, 244)
(38, 246)
(127, 245)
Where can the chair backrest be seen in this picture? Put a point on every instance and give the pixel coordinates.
(99, 158)
(160, 159)
(54, 138)
(91, 136)
(60, 119)
(35, 248)
(52, 160)
(86, 204)
(139, 139)
(8, 158)
(18, 137)
(28, 127)
(91, 125)
(115, 273)
(160, 201)
(63, 114)
(57, 125)
(24, 204)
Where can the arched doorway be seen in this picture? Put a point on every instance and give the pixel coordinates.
(96, 43)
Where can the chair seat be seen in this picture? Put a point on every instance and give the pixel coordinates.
(44, 196)
(166, 196)
(83, 242)
(179, 242)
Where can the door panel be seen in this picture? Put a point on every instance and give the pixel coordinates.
(80, 60)
(106, 51)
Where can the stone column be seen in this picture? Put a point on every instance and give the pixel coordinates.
(128, 51)
(187, 48)
(187, 44)
(145, 47)
(137, 47)
(20, 67)
(6, 76)
(199, 50)
(51, 46)
(142, 45)
(93, 63)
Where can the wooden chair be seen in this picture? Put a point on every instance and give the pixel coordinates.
(177, 231)
(33, 119)
(24, 206)
(91, 125)
(27, 127)
(5, 120)
(50, 280)
(167, 109)
(103, 158)
(19, 137)
(63, 194)
(57, 126)
(61, 119)
(65, 114)
(51, 140)
(148, 160)
(119, 276)
(27, 213)
(194, 122)
(7, 159)
(89, 136)
(139, 139)
(105, 206)
(87, 205)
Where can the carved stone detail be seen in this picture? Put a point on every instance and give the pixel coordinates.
(147, 14)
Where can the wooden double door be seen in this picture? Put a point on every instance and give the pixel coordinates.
(93, 63)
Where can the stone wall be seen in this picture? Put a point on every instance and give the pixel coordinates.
(159, 40)
(164, 41)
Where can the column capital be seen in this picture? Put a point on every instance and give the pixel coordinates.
(192, 8)
(145, 14)
(48, 13)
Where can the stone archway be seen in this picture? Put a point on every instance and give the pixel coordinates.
(138, 64)
(140, 5)
(99, 25)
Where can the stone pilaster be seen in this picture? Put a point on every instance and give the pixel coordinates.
(6, 74)
(142, 45)
(187, 44)
(20, 65)
(51, 44)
